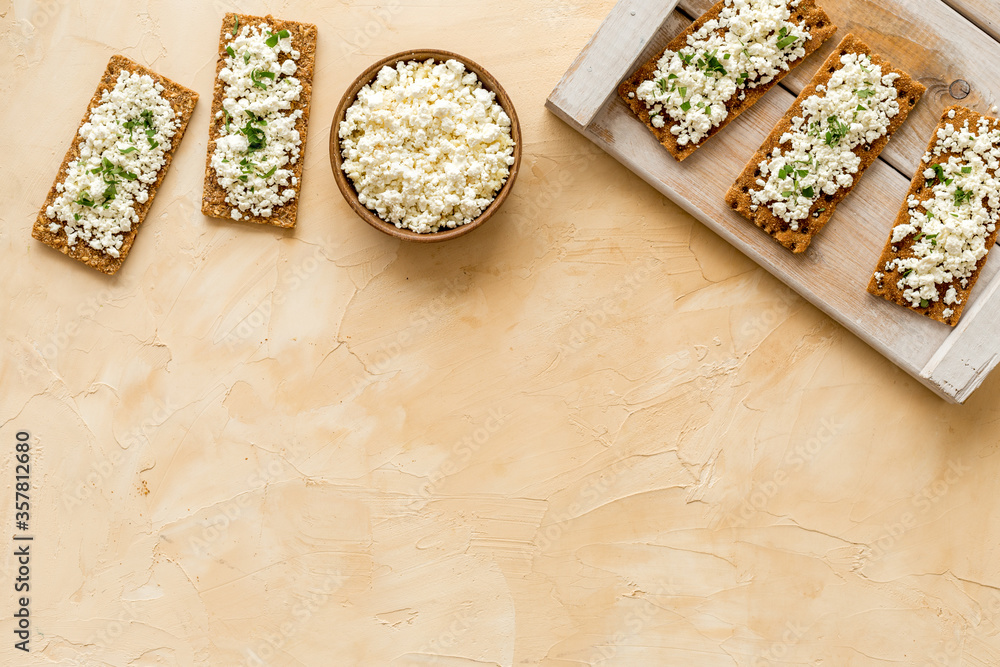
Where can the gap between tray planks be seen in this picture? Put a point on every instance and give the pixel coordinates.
(984, 13)
(835, 271)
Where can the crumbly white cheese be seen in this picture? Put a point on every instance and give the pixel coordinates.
(258, 142)
(426, 146)
(123, 145)
(748, 45)
(854, 108)
(951, 223)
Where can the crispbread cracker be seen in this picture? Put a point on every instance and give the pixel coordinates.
(798, 241)
(808, 12)
(183, 102)
(888, 288)
(304, 41)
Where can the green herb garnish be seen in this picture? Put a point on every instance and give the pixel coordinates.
(962, 196)
(255, 137)
(84, 199)
(229, 50)
(237, 26)
(272, 41)
(836, 132)
(784, 39)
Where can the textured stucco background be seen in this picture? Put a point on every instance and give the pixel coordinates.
(588, 433)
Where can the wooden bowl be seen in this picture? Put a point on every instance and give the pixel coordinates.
(347, 188)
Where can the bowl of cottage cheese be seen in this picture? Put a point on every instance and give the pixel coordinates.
(425, 145)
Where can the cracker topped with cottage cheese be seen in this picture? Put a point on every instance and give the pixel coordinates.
(260, 116)
(819, 151)
(948, 223)
(110, 175)
(426, 146)
(720, 66)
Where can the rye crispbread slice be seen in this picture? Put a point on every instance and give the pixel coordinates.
(182, 100)
(304, 41)
(738, 198)
(808, 13)
(887, 286)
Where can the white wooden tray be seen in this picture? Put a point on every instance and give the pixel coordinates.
(951, 47)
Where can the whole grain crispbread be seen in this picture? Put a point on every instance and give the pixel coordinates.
(886, 287)
(738, 197)
(182, 100)
(304, 41)
(807, 13)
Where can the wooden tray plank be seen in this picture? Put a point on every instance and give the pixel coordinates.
(927, 39)
(608, 57)
(984, 13)
(971, 352)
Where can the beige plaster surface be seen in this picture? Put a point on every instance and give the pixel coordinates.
(588, 433)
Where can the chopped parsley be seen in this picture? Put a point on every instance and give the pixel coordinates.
(256, 76)
(836, 131)
(709, 62)
(272, 41)
(784, 39)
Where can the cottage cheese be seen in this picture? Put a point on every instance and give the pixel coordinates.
(854, 108)
(951, 224)
(258, 143)
(123, 145)
(748, 45)
(426, 146)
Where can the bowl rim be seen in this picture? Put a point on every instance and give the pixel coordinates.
(347, 187)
